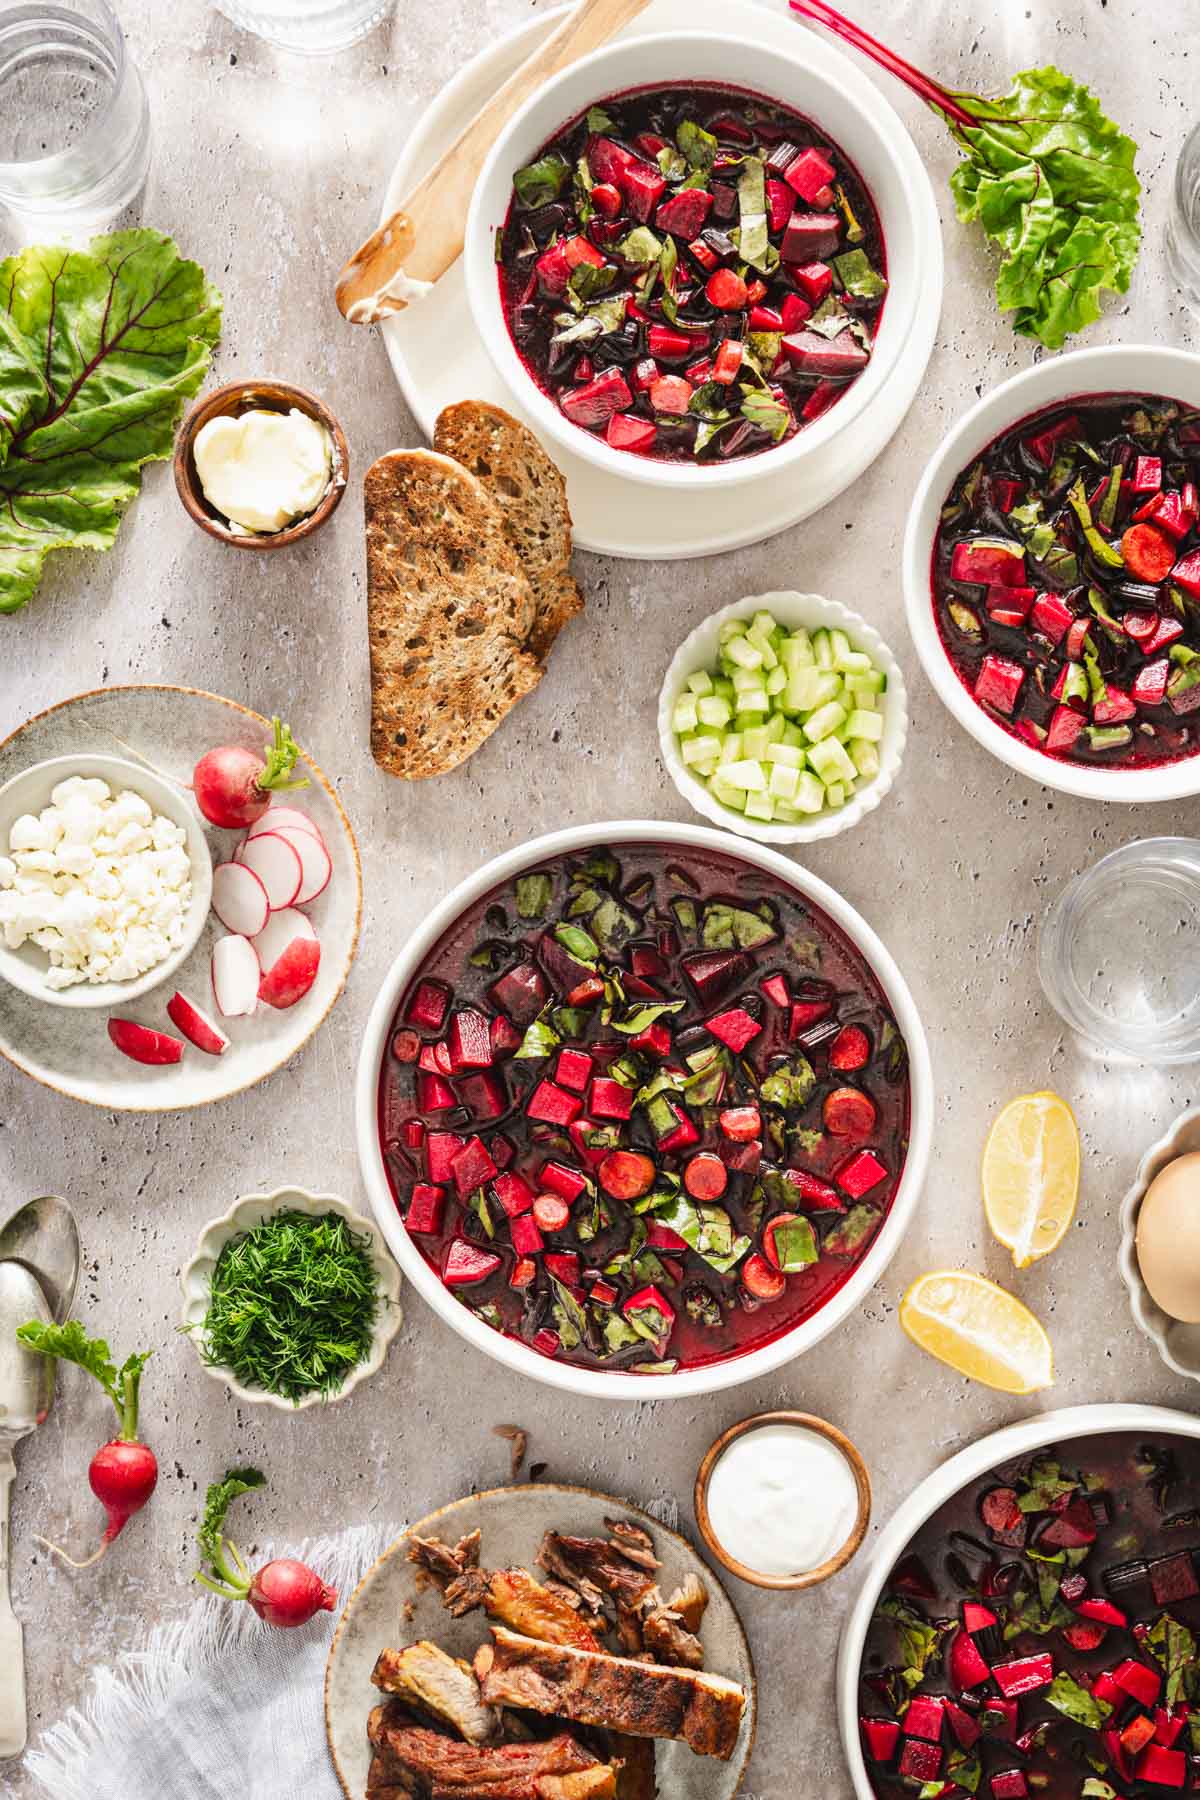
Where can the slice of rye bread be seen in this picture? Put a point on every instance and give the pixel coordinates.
(448, 612)
(532, 495)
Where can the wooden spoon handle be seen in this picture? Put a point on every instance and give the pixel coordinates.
(425, 236)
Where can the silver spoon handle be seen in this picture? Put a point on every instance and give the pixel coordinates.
(13, 1722)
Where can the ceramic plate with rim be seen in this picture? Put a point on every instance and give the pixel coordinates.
(438, 357)
(1176, 1342)
(987, 1453)
(391, 1607)
(171, 728)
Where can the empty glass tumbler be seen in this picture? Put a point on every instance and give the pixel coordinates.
(309, 26)
(74, 123)
(1183, 223)
(1119, 951)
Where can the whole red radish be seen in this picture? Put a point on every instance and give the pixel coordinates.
(283, 1592)
(233, 786)
(123, 1472)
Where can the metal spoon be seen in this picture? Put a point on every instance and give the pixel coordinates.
(42, 1234)
(26, 1392)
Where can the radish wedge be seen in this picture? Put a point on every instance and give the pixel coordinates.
(196, 1025)
(315, 861)
(234, 976)
(142, 1044)
(239, 899)
(276, 817)
(277, 864)
(292, 974)
(279, 931)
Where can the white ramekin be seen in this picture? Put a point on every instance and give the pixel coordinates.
(598, 1383)
(811, 82)
(1082, 374)
(251, 1210)
(968, 1465)
(699, 650)
(1178, 1344)
(29, 792)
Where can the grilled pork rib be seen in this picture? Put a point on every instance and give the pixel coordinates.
(442, 1686)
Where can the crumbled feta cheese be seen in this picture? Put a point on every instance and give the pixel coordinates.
(100, 882)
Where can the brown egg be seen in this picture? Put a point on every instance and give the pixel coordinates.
(1168, 1238)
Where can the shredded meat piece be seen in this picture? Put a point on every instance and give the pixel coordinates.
(664, 1635)
(634, 1543)
(432, 1763)
(516, 1599)
(639, 1698)
(599, 1783)
(629, 1631)
(442, 1686)
(690, 1602)
(635, 1774)
(596, 1561)
(441, 1561)
(466, 1593)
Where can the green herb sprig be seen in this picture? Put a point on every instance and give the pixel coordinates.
(293, 1304)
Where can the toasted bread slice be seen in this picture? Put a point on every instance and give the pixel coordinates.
(531, 493)
(448, 609)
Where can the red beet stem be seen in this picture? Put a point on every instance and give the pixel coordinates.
(932, 92)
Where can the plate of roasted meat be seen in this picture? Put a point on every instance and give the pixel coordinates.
(540, 1643)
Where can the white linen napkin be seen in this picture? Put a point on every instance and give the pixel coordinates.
(213, 1706)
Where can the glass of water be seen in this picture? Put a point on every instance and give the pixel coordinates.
(310, 26)
(1119, 951)
(74, 122)
(1183, 224)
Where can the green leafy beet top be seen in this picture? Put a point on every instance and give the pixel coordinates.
(99, 348)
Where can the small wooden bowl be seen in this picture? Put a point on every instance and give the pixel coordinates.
(862, 1481)
(270, 396)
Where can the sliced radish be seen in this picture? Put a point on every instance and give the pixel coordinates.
(239, 899)
(277, 816)
(196, 1025)
(277, 864)
(234, 976)
(142, 1044)
(278, 932)
(292, 974)
(315, 860)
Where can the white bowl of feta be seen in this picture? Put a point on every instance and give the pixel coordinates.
(105, 880)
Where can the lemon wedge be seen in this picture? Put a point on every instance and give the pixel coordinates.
(985, 1334)
(1031, 1175)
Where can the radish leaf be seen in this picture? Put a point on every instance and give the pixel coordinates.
(99, 347)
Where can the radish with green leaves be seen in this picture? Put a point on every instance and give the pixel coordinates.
(123, 1472)
(233, 786)
(283, 1592)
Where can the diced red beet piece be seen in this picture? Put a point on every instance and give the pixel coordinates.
(1024, 1675)
(850, 1050)
(552, 269)
(1013, 602)
(977, 1617)
(712, 971)
(809, 173)
(440, 1150)
(1141, 1683)
(484, 1094)
(880, 1738)
(627, 1174)
(796, 310)
(816, 1194)
(684, 1133)
(726, 290)
(1115, 707)
(910, 1576)
(924, 1717)
(523, 1273)
(1140, 626)
(655, 1040)
(776, 989)
(684, 214)
(920, 1760)
(610, 1099)
(503, 1150)
(813, 354)
(1072, 1529)
(1002, 1516)
(988, 562)
(590, 1140)
(513, 1192)
(433, 1093)
(564, 1266)
(734, 1028)
(728, 361)
(1162, 1768)
(505, 1038)
(553, 1104)
(1177, 512)
(466, 1263)
(1169, 1725)
(586, 992)
(848, 1112)
(706, 1176)
(741, 1124)
(1168, 630)
(661, 1237)
(603, 1293)
(595, 403)
(667, 344)
(1147, 475)
(608, 160)
(1115, 1752)
(809, 237)
(560, 1178)
(779, 203)
(527, 1240)
(1186, 574)
(471, 1167)
(1005, 492)
(1065, 727)
(1173, 1579)
(965, 1663)
(1041, 446)
(1073, 1589)
(427, 1008)
(1085, 1636)
(413, 1133)
(998, 683)
(650, 1299)
(546, 1341)
(625, 431)
(643, 188)
(579, 249)
(863, 1172)
(574, 1070)
(742, 1159)
(964, 1726)
(520, 992)
(999, 1719)
(1010, 1784)
(425, 1208)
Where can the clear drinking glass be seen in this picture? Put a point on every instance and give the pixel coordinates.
(1119, 951)
(74, 123)
(310, 26)
(1183, 223)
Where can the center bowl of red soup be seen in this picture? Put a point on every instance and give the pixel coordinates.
(644, 1108)
(693, 273)
(1066, 580)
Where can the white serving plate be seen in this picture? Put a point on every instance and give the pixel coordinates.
(439, 358)
(699, 650)
(1177, 1343)
(69, 1051)
(598, 1383)
(967, 1466)
(250, 1210)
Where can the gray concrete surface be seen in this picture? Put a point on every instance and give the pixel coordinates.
(268, 170)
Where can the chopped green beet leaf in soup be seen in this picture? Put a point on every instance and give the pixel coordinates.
(692, 273)
(644, 1112)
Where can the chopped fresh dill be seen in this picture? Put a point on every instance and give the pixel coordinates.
(292, 1305)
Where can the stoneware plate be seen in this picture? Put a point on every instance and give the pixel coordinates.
(512, 1521)
(438, 356)
(170, 728)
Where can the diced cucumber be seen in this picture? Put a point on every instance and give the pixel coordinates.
(735, 798)
(784, 781)
(760, 806)
(775, 727)
(824, 721)
(848, 661)
(700, 682)
(789, 754)
(732, 628)
(754, 743)
(862, 695)
(835, 794)
(741, 651)
(796, 652)
(746, 719)
(828, 758)
(1075, 687)
(810, 793)
(712, 710)
(809, 688)
(746, 774)
(777, 680)
(866, 725)
(822, 645)
(731, 748)
(702, 747)
(684, 718)
(873, 679)
(792, 734)
(864, 756)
